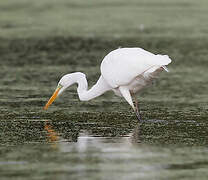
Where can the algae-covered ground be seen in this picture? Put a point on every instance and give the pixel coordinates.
(101, 139)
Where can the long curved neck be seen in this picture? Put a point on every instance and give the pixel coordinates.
(98, 89)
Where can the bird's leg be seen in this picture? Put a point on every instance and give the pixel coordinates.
(137, 110)
(127, 95)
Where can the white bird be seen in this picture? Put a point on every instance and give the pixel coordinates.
(125, 71)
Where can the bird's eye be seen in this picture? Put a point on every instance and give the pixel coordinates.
(59, 86)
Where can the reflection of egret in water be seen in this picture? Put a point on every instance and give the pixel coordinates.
(51, 134)
(135, 135)
(82, 138)
(59, 139)
(86, 140)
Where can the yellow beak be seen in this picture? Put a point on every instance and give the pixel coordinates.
(53, 97)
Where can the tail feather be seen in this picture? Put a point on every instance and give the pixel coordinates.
(165, 68)
(154, 71)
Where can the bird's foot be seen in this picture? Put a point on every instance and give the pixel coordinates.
(139, 117)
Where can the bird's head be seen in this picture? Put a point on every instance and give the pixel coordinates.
(64, 83)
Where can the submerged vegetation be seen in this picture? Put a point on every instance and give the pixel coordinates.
(32, 67)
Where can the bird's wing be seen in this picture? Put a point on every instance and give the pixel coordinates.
(121, 66)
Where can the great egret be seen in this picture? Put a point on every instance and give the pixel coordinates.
(125, 71)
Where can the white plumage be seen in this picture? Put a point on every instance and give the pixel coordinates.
(122, 65)
(125, 71)
(132, 67)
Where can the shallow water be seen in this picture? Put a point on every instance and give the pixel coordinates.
(100, 139)
(35, 149)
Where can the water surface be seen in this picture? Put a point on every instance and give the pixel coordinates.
(101, 139)
(65, 150)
